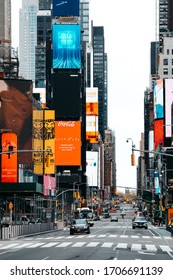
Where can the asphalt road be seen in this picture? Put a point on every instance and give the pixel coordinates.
(107, 241)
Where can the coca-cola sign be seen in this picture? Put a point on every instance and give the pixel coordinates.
(66, 123)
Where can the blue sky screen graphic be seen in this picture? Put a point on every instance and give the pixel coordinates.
(66, 8)
(66, 46)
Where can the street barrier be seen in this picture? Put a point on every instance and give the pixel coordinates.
(19, 230)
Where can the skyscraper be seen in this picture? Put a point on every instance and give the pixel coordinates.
(28, 38)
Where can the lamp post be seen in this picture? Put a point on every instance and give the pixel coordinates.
(132, 154)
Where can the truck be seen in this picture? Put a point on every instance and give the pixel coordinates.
(84, 213)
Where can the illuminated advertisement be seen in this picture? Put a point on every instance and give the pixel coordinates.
(16, 113)
(156, 182)
(92, 168)
(91, 101)
(66, 8)
(92, 129)
(158, 99)
(168, 107)
(49, 185)
(68, 143)
(158, 133)
(66, 46)
(9, 161)
(44, 139)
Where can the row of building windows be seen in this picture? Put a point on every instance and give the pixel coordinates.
(165, 71)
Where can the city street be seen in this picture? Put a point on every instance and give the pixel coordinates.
(107, 241)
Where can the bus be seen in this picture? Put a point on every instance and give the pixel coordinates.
(84, 213)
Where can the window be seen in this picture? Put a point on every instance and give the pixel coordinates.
(165, 61)
(167, 51)
(165, 71)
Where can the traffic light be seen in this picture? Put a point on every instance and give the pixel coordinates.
(132, 159)
(10, 149)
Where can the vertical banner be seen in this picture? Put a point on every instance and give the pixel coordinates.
(92, 115)
(49, 141)
(44, 139)
(9, 161)
(37, 143)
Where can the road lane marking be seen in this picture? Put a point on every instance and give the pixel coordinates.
(121, 246)
(136, 247)
(165, 248)
(35, 245)
(22, 245)
(124, 236)
(134, 236)
(113, 235)
(51, 244)
(78, 244)
(64, 244)
(151, 247)
(92, 244)
(9, 246)
(91, 236)
(107, 245)
(145, 236)
(101, 235)
(59, 237)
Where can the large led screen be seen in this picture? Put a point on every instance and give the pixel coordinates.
(92, 168)
(66, 8)
(66, 46)
(158, 99)
(16, 113)
(9, 161)
(68, 143)
(168, 107)
(158, 133)
(66, 95)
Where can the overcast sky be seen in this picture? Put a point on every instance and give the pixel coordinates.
(129, 28)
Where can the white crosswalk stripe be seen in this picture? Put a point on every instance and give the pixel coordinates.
(136, 247)
(122, 246)
(166, 248)
(22, 245)
(101, 235)
(92, 244)
(35, 245)
(151, 247)
(64, 244)
(9, 246)
(107, 245)
(78, 244)
(51, 244)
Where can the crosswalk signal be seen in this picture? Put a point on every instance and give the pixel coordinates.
(132, 159)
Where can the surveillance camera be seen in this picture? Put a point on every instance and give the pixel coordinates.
(127, 140)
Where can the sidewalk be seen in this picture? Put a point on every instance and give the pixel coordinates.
(161, 230)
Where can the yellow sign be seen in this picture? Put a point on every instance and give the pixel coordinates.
(10, 206)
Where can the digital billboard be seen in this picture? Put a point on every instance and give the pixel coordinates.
(91, 101)
(68, 143)
(66, 41)
(66, 95)
(66, 8)
(168, 107)
(158, 99)
(16, 113)
(9, 161)
(44, 139)
(92, 168)
(49, 185)
(92, 129)
(158, 133)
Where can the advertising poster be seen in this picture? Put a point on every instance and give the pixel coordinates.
(68, 143)
(66, 8)
(9, 161)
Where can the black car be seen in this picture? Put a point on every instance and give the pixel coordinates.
(139, 222)
(79, 225)
(114, 219)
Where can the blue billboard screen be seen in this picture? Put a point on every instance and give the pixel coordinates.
(66, 46)
(66, 8)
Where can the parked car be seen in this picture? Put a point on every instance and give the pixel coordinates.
(114, 219)
(78, 226)
(139, 222)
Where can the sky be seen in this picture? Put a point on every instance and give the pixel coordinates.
(129, 28)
